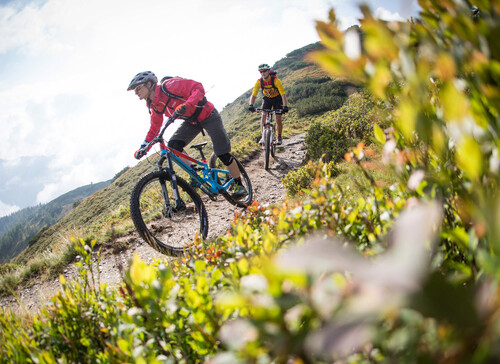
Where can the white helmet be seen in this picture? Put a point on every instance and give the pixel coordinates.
(264, 67)
(142, 78)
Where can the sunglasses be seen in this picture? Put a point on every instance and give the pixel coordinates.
(264, 71)
(138, 87)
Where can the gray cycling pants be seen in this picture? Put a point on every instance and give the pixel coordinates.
(214, 128)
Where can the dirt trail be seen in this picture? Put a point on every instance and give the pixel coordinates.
(267, 187)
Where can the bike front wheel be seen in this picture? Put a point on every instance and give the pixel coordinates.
(215, 162)
(267, 147)
(273, 145)
(167, 225)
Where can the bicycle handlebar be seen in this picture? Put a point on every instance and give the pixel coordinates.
(273, 111)
(267, 110)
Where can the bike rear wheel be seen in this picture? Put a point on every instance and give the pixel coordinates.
(214, 162)
(169, 230)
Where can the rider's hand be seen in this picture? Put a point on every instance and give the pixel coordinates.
(285, 109)
(181, 109)
(251, 108)
(141, 152)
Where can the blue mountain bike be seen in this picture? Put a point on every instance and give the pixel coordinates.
(167, 211)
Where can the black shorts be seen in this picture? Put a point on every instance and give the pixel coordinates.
(272, 103)
(186, 132)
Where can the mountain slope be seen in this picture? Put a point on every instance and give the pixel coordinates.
(18, 228)
(106, 213)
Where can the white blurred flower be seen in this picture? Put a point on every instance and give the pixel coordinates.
(464, 128)
(375, 285)
(389, 148)
(253, 283)
(237, 333)
(352, 44)
(494, 161)
(415, 179)
(224, 358)
(397, 272)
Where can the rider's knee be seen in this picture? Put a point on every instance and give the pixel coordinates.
(176, 144)
(226, 158)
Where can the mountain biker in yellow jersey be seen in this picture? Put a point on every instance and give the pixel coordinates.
(187, 98)
(274, 97)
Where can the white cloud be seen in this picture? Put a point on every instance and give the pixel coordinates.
(7, 209)
(387, 15)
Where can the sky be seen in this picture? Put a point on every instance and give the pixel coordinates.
(66, 119)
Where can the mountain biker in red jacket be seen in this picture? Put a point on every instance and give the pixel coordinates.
(187, 97)
(274, 97)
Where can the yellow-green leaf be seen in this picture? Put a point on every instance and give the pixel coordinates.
(470, 158)
(141, 272)
(124, 346)
(243, 266)
(379, 134)
(455, 104)
(199, 266)
(407, 118)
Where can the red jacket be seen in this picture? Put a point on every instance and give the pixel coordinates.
(190, 93)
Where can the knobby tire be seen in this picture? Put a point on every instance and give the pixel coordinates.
(267, 147)
(173, 233)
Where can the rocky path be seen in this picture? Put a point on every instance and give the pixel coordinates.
(267, 187)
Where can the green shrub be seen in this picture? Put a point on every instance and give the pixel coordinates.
(297, 181)
(346, 127)
(318, 104)
(316, 95)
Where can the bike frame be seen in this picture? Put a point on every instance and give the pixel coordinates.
(207, 182)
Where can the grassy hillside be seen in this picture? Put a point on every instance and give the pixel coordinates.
(17, 229)
(106, 213)
(90, 218)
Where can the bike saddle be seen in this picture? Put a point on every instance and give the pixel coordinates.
(199, 146)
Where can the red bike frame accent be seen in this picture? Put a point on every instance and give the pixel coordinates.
(182, 155)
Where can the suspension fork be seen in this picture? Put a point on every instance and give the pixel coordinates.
(269, 122)
(179, 204)
(268, 128)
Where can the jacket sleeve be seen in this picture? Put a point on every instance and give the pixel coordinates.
(156, 123)
(256, 88)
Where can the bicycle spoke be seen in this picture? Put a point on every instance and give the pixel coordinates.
(160, 223)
